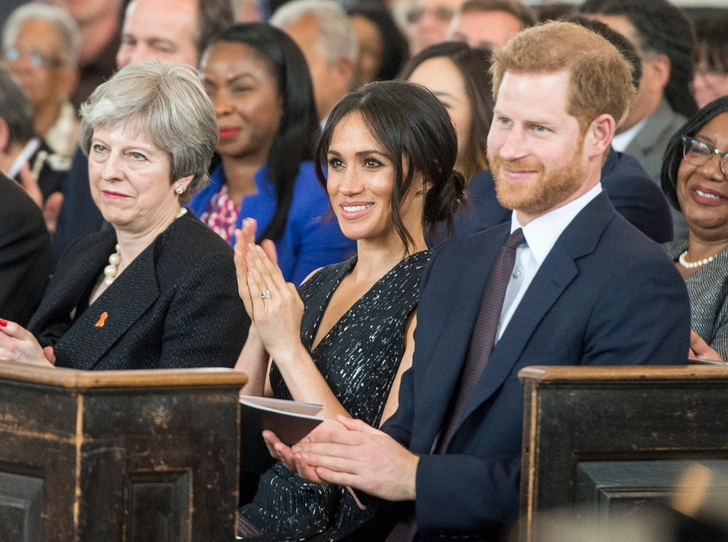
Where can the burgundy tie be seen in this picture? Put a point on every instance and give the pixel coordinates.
(481, 345)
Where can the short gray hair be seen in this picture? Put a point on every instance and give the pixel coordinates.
(15, 109)
(57, 17)
(166, 103)
(336, 37)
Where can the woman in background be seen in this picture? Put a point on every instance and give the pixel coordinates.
(383, 49)
(710, 80)
(346, 336)
(260, 87)
(458, 75)
(695, 181)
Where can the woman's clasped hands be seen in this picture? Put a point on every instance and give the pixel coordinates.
(19, 345)
(273, 304)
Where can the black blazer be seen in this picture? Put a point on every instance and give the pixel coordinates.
(175, 306)
(24, 253)
(605, 295)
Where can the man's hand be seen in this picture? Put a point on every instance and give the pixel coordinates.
(278, 450)
(361, 457)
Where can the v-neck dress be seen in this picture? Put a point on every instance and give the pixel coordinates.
(358, 358)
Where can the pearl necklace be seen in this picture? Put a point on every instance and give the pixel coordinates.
(115, 258)
(693, 265)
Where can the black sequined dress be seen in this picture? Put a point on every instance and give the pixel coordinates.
(358, 358)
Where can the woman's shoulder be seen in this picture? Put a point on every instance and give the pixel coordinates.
(188, 242)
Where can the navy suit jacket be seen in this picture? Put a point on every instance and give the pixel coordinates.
(605, 295)
(632, 193)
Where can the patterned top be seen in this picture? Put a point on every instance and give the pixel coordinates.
(358, 358)
(708, 291)
(221, 215)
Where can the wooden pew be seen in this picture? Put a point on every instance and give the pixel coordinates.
(609, 439)
(118, 455)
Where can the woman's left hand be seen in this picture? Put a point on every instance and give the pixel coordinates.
(19, 345)
(277, 307)
(700, 349)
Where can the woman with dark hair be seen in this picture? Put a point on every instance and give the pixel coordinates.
(458, 75)
(346, 336)
(383, 49)
(695, 181)
(710, 80)
(260, 86)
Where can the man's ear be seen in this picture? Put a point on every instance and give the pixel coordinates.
(658, 71)
(599, 135)
(4, 136)
(68, 81)
(345, 69)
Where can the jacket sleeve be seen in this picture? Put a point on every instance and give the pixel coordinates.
(206, 323)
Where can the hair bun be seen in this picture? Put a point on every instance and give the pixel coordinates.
(442, 204)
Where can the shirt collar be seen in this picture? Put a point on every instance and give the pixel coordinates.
(542, 233)
(620, 142)
(25, 155)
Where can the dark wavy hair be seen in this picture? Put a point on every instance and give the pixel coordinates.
(415, 130)
(396, 49)
(474, 66)
(674, 151)
(294, 140)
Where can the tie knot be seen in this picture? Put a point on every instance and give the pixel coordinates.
(516, 239)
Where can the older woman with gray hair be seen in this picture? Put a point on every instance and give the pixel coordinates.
(158, 288)
(40, 45)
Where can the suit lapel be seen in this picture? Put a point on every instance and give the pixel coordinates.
(114, 312)
(558, 270)
(441, 378)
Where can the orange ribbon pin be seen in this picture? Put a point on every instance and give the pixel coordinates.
(102, 319)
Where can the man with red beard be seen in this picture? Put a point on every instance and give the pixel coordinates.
(568, 282)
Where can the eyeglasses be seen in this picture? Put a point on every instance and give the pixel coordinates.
(698, 153)
(35, 58)
(441, 13)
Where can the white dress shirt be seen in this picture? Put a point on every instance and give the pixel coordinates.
(541, 234)
(621, 141)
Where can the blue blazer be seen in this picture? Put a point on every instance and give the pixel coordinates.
(632, 193)
(310, 240)
(605, 295)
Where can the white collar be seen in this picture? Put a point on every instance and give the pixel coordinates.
(620, 142)
(28, 151)
(542, 233)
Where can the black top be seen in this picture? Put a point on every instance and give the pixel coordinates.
(24, 253)
(358, 358)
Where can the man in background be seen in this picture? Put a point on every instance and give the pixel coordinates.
(323, 32)
(490, 23)
(24, 240)
(664, 40)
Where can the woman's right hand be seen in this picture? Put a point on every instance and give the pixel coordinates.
(700, 349)
(19, 345)
(244, 238)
